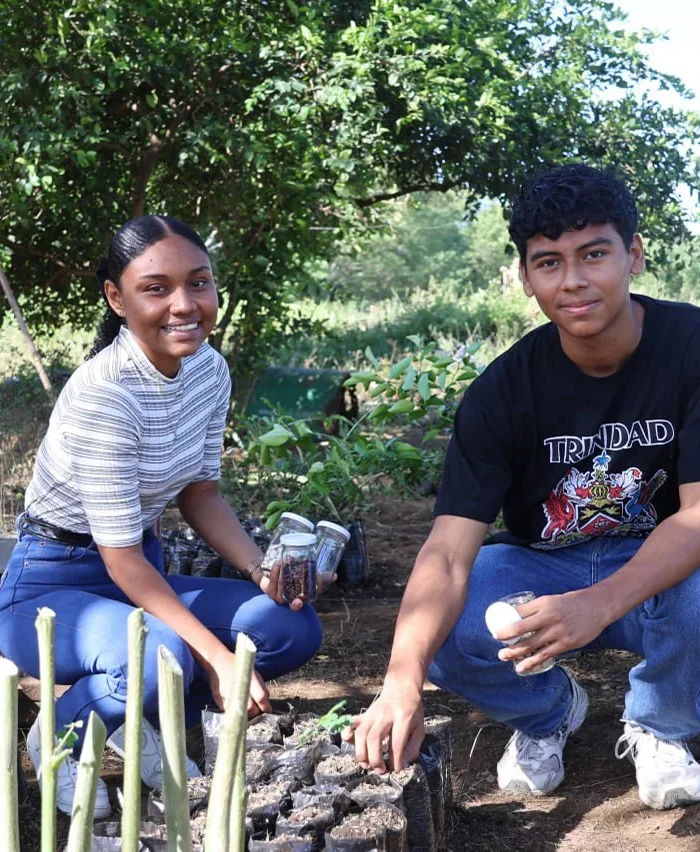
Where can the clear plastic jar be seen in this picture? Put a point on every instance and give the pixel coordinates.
(298, 566)
(332, 539)
(289, 523)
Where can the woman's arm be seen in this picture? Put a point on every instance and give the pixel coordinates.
(210, 516)
(145, 587)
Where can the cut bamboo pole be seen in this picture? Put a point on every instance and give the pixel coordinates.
(231, 741)
(9, 813)
(82, 815)
(239, 802)
(171, 712)
(45, 628)
(131, 813)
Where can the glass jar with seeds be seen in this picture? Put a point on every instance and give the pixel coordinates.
(289, 523)
(331, 541)
(297, 562)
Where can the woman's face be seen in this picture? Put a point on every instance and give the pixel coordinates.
(168, 298)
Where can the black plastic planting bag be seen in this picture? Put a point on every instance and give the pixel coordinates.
(262, 842)
(265, 803)
(373, 789)
(430, 758)
(298, 762)
(197, 797)
(420, 831)
(259, 766)
(312, 820)
(337, 770)
(393, 838)
(354, 567)
(441, 728)
(106, 838)
(264, 730)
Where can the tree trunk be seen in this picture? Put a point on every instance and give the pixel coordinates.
(33, 353)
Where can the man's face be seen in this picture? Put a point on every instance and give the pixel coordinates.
(581, 280)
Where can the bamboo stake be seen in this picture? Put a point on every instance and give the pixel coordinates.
(231, 741)
(239, 803)
(171, 712)
(45, 628)
(33, 353)
(131, 813)
(9, 813)
(82, 815)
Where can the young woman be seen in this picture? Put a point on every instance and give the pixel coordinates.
(141, 423)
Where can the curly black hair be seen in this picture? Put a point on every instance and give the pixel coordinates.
(571, 196)
(131, 240)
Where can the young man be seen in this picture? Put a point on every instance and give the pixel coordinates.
(587, 434)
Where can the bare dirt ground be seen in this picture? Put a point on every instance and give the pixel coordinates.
(596, 809)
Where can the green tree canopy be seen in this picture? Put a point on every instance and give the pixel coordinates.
(277, 127)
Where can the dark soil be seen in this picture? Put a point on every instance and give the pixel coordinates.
(338, 764)
(386, 817)
(358, 825)
(308, 813)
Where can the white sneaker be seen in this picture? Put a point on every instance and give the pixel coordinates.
(536, 766)
(151, 755)
(667, 773)
(66, 777)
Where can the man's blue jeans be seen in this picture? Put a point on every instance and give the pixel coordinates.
(664, 630)
(91, 632)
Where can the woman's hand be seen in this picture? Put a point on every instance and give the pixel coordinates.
(221, 681)
(270, 584)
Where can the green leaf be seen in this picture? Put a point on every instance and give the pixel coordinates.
(316, 467)
(424, 386)
(379, 411)
(363, 377)
(305, 32)
(272, 520)
(402, 406)
(276, 437)
(400, 368)
(380, 389)
(369, 355)
(410, 379)
(415, 339)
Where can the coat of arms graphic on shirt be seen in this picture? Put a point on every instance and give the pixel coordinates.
(585, 504)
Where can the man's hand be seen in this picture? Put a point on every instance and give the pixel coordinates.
(397, 715)
(559, 623)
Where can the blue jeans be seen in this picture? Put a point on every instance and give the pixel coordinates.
(91, 632)
(664, 630)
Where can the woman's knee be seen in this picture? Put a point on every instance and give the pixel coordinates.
(293, 641)
(162, 635)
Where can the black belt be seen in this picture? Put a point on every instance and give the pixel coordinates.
(34, 526)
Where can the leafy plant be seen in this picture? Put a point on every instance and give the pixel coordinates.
(331, 721)
(338, 474)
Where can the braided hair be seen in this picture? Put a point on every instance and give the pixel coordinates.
(130, 241)
(571, 197)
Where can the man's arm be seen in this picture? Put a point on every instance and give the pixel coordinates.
(432, 603)
(565, 622)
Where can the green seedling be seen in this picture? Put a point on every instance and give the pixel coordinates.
(331, 721)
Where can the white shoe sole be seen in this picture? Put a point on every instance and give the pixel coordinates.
(664, 800)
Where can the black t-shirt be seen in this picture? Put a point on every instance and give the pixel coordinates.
(568, 456)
